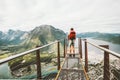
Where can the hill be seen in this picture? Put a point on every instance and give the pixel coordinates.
(18, 41)
(11, 37)
(15, 42)
(110, 37)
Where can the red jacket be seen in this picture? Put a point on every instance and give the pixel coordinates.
(72, 35)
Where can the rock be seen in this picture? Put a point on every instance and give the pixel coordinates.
(96, 70)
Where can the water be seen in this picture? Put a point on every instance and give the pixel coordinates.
(112, 46)
(96, 55)
(5, 71)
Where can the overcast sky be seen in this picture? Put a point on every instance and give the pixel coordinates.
(83, 15)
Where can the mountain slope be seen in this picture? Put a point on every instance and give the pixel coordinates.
(11, 37)
(110, 37)
(41, 35)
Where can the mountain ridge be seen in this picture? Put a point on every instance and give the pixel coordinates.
(40, 35)
(110, 37)
(11, 37)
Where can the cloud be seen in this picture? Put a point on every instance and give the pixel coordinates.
(83, 15)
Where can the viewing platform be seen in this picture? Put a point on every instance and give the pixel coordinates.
(61, 66)
(72, 69)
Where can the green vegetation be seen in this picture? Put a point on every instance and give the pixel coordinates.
(4, 56)
(30, 59)
(114, 38)
(18, 41)
(110, 37)
(15, 62)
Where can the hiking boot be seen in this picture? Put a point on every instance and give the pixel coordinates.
(70, 55)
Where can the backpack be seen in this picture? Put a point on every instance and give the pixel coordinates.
(72, 35)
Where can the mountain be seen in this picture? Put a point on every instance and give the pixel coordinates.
(88, 34)
(114, 38)
(42, 35)
(110, 37)
(11, 37)
(20, 40)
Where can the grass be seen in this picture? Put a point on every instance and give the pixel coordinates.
(4, 56)
(45, 57)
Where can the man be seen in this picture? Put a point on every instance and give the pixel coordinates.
(72, 37)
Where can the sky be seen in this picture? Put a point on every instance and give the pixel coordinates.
(82, 15)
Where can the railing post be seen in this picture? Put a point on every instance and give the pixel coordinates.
(64, 48)
(66, 45)
(106, 64)
(86, 56)
(38, 63)
(58, 57)
(80, 47)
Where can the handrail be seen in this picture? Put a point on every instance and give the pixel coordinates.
(104, 49)
(24, 53)
(106, 74)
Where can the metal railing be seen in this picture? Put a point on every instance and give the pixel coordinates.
(106, 69)
(66, 70)
(38, 60)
